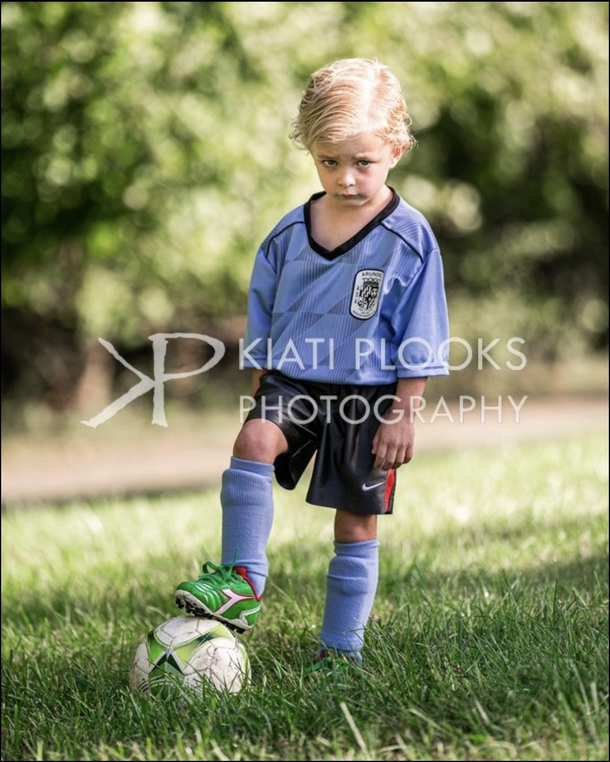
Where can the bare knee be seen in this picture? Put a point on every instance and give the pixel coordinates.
(352, 527)
(261, 441)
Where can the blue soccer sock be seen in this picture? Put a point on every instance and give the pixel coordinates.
(351, 585)
(247, 517)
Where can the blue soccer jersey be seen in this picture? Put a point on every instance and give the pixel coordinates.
(368, 312)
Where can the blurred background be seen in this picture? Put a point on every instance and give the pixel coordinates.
(145, 156)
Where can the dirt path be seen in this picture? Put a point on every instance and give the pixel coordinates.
(151, 459)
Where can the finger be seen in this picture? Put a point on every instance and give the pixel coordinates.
(381, 456)
(409, 454)
(400, 457)
(390, 458)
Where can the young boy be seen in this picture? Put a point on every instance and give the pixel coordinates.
(347, 318)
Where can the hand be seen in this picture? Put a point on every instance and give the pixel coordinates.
(393, 443)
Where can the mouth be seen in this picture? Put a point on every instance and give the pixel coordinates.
(348, 195)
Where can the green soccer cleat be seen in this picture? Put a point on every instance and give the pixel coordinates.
(225, 593)
(329, 662)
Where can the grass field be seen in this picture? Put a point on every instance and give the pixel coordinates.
(488, 638)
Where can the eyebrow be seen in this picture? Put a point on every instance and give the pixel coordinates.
(356, 156)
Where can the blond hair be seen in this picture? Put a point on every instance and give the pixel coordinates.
(349, 97)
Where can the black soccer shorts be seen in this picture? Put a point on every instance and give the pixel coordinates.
(340, 429)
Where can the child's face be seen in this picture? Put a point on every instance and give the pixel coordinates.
(354, 171)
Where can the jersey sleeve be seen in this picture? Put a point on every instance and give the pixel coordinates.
(420, 345)
(261, 296)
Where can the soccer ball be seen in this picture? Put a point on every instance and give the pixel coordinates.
(190, 650)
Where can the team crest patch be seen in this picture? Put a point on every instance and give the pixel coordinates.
(365, 296)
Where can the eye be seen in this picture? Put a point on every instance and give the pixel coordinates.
(332, 163)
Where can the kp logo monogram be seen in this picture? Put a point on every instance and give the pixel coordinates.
(159, 341)
(365, 296)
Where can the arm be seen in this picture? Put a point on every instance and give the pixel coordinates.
(421, 328)
(261, 297)
(393, 442)
(256, 379)
(420, 323)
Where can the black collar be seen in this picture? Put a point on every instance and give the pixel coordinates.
(351, 242)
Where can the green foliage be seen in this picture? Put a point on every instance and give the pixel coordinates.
(488, 637)
(134, 143)
(146, 156)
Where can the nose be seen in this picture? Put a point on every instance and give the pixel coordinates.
(347, 181)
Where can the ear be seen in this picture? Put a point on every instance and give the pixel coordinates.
(396, 155)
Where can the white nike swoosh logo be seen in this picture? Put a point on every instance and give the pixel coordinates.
(366, 487)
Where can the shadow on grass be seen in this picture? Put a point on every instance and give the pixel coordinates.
(301, 590)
